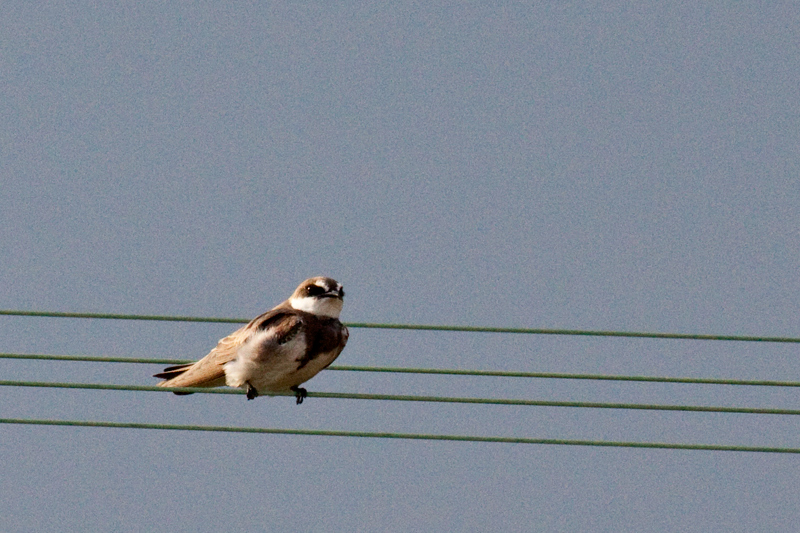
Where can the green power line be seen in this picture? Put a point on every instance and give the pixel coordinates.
(93, 358)
(471, 329)
(436, 371)
(113, 316)
(411, 436)
(558, 375)
(411, 398)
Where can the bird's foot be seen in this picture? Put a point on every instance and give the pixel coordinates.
(300, 393)
(251, 391)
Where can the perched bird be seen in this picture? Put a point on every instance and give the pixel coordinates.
(276, 351)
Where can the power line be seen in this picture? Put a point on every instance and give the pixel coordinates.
(436, 399)
(413, 398)
(411, 436)
(578, 332)
(423, 327)
(557, 375)
(93, 359)
(113, 316)
(435, 371)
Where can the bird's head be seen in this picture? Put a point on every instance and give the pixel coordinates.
(319, 296)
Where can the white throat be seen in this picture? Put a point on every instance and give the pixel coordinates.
(328, 307)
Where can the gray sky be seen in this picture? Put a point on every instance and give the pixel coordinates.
(605, 165)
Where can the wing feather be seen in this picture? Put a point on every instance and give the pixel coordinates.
(209, 371)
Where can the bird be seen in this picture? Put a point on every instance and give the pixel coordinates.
(278, 350)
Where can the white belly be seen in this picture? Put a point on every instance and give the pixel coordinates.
(270, 367)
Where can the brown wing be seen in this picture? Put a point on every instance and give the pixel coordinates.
(285, 326)
(209, 371)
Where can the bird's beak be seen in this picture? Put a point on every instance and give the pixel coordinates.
(335, 293)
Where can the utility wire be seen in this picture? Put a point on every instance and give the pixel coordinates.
(411, 398)
(439, 371)
(93, 359)
(412, 436)
(113, 316)
(472, 329)
(557, 375)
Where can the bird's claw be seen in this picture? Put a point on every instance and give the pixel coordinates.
(251, 391)
(300, 393)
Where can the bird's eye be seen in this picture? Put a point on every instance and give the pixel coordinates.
(314, 290)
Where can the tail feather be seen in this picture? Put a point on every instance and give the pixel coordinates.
(173, 376)
(173, 371)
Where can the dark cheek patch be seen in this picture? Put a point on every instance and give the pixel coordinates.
(314, 290)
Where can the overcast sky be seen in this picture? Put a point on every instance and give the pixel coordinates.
(589, 165)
